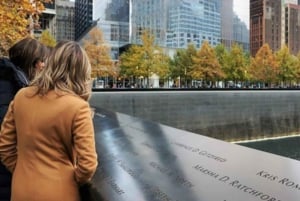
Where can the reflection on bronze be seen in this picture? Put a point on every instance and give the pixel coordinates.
(145, 161)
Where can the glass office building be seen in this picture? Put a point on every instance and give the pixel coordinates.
(83, 17)
(194, 22)
(174, 23)
(149, 15)
(65, 20)
(112, 18)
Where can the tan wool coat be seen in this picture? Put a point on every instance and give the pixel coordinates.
(48, 144)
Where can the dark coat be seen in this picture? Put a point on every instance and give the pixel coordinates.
(12, 79)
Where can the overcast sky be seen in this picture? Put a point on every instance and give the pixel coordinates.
(241, 8)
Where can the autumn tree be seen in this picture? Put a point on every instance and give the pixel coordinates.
(130, 61)
(235, 64)
(145, 60)
(17, 19)
(99, 54)
(154, 61)
(161, 64)
(182, 63)
(47, 39)
(297, 67)
(221, 54)
(264, 67)
(206, 65)
(287, 64)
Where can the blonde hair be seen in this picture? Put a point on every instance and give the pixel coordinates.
(67, 70)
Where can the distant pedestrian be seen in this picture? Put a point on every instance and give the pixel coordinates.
(47, 136)
(25, 60)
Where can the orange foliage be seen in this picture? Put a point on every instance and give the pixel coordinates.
(17, 17)
(99, 54)
(264, 66)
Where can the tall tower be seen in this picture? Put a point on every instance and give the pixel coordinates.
(292, 27)
(112, 18)
(65, 21)
(240, 33)
(274, 22)
(47, 20)
(149, 15)
(83, 17)
(227, 23)
(192, 21)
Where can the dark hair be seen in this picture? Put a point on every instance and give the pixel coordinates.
(25, 53)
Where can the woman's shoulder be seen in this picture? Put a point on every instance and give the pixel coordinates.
(53, 97)
(29, 89)
(22, 91)
(75, 99)
(67, 101)
(70, 100)
(73, 103)
(25, 91)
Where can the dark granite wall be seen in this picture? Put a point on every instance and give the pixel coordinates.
(226, 115)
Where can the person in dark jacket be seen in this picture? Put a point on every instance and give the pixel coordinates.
(25, 60)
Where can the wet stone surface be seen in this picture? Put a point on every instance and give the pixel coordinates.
(145, 161)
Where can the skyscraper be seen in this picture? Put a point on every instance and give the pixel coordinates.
(192, 21)
(149, 15)
(174, 23)
(292, 28)
(47, 20)
(227, 23)
(240, 33)
(274, 22)
(65, 21)
(112, 18)
(83, 17)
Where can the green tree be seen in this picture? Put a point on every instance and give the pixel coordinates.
(153, 58)
(297, 69)
(235, 64)
(161, 64)
(221, 54)
(206, 65)
(17, 19)
(182, 63)
(287, 66)
(130, 61)
(264, 67)
(47, 39)
(145, 60)
(99, 54)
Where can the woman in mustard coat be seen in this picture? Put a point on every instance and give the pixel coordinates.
(47, 136)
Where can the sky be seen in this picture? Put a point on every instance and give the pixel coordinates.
(241, 8)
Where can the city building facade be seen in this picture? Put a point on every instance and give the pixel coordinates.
(240, 33)
(274, 22)
(152, 16)
(174, 23)
(112, 17)
(292, 28)
(83, 17)
(47, 20)
(227, 23)
(193, 22)
(65, 20)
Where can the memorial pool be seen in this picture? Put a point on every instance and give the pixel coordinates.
(288, 147)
